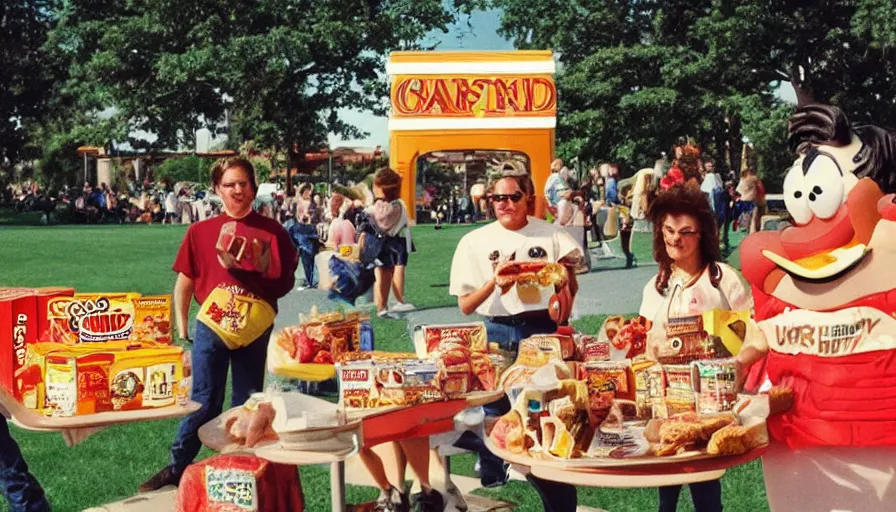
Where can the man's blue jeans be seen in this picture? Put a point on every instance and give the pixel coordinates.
(20, 488)
(210, 361)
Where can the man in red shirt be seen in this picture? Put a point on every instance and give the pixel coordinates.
(240, 248)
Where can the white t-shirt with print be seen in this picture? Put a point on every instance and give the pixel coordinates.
(700, 297)
(472, 265)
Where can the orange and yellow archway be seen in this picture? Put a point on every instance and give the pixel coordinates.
(454, 101)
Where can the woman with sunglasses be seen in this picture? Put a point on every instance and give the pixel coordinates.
(692, 279)
(512, 316)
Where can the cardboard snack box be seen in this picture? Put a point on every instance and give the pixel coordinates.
(105, 317)
(83, 379)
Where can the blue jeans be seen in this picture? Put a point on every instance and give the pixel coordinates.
(20, 488)
(707, 497)
(210, 360)
(304, 237)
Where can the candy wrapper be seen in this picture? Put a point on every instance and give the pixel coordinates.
(617, 440)
(715, 385)
(649, 384)
(607, 382)
(628, 338)
(472, 335)
(371, 384)
(679, 394)
(594, 349)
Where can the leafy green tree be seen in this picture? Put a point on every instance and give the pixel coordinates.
(274, 71)
(189, 168)
(834, 51)
(635, 75)
(24, 76)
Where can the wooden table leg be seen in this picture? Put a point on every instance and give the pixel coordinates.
(337, 485)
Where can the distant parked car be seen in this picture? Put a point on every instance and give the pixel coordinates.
(777, 217)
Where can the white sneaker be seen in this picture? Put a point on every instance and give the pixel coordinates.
(403, 307)
(386, 314)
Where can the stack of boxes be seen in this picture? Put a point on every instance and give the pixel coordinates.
(66, 354)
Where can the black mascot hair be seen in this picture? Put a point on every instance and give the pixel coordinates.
(816, 124)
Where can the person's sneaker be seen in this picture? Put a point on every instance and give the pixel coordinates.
(498, 482)
(163, 478)
(403, 307)
(431, 501)
(388, 315)
(393, 500)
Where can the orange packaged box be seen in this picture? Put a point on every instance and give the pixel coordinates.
(86, 380)
(43, 296)
(152, 320)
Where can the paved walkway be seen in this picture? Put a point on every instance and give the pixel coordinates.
(609, 288)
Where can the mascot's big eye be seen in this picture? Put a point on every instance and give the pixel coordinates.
(823, 186)
(795, 198)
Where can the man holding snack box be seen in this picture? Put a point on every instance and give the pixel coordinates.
(490, 276)
(237, 266)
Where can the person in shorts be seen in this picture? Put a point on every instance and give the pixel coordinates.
(388, 218)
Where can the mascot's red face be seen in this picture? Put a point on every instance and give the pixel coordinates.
(838, 244)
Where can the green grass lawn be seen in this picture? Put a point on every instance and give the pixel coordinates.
(110, 465)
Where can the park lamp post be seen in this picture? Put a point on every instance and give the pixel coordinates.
(330, 171)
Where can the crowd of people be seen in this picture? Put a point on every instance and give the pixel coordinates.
(369, 220)
(165, 202)
(599, 207)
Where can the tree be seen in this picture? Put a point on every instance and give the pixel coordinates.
(636, 75)
(189, 168)
(24, 79)
(841, 52)
(274, 71)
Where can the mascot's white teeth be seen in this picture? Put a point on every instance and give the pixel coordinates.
(821, 266)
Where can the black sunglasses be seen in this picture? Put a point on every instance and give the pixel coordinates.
(497, 198)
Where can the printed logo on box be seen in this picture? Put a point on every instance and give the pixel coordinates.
(231, 486)
(18, 336)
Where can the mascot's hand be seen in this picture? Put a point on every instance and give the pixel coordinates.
(780, 399)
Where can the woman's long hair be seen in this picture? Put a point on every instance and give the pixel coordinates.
(683, 199)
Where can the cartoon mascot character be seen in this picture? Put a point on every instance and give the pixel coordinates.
(825, 297)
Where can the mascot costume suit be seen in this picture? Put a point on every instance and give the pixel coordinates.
(825, 298)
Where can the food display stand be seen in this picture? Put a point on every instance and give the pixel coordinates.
(655, 472)
(29, 419)
(363, 427)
